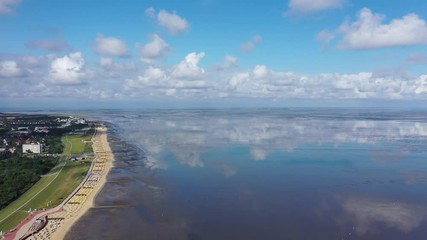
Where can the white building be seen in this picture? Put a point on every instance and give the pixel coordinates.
(81, 121)
(32, 148)
(41, 129)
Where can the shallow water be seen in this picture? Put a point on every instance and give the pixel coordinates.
(262, 174)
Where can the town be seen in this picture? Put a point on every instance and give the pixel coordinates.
(32, 146)
(36, 134)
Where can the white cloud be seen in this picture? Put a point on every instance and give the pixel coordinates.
(185, 77)
(151, 12)
(310, 6)
(420, 86)
(416, 58)
(325, 36)
(10, 69)
(171, 21)
(153, 50)
(55, 45)
(110, 46)
(369, 31)
(110, 64)
(68, 70)
(7, 5)
(237, 80)
(264, 82)
(229, 62)
(115, 69)
(188, 68)
(151, 78)
(37, 61)
(260, 71)
(250, 45)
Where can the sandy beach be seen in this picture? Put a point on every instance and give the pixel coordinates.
(61, 218)
(102, 151)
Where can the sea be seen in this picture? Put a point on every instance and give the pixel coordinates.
(222, 174)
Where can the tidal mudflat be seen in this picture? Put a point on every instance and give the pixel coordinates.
(262, 174)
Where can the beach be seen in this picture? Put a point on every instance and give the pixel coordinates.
(102, 150)
(61, 218)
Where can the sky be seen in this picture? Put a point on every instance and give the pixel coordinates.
(212, 53)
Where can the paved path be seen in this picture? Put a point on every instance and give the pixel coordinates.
(29, 200)
(28, 222)
(23, 228)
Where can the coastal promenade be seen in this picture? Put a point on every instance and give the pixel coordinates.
(56, 222)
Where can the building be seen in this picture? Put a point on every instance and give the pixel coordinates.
(32, 148)
(41, 129)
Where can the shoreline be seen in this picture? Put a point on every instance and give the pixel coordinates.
(60, 220)
(102, 150)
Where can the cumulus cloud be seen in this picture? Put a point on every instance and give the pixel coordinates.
(115, 69)
(419, 86)
(67, 70)
(309, 6)
(153, 50)
(37, 61)
(251, 44)
(6, 6)
(325, 37)
(237, 80)
(188, 68)
(260, 71)
(171, 21)
(416, 58)
(369, 31)
(264, 82)
(151, 78)
(185, 77)
(151, 12)
(55, 45)
(228, 62)
(10, 69)
(110, 64)
(110, 46)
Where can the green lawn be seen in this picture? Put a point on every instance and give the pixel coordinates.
(79, 144)
(70, 177)
(66, 181)
(8, 224)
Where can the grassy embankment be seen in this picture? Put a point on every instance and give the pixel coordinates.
(54, 187)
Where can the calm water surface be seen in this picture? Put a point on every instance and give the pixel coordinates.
(262, 174)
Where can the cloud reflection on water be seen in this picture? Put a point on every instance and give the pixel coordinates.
(222, 167)
(188, 137)
(366, 212)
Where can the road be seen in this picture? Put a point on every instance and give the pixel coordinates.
(57, 174)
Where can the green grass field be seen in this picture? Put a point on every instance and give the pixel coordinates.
(79, 144)
(10, 223)
(69, 177)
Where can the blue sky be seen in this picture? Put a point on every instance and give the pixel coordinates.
(212, 53)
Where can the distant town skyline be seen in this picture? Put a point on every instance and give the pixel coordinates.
(212, 53)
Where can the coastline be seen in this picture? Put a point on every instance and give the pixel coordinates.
(55, 223)
(102, 150)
